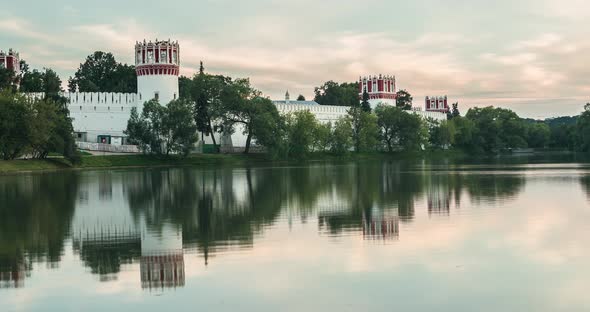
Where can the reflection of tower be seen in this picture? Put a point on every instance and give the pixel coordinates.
(157, 65)
(162, 258)
(439, 199)
(381, 225)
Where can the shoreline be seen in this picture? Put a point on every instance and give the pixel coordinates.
(135, 161)
(8, 167)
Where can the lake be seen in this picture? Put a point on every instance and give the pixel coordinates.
(504, 234)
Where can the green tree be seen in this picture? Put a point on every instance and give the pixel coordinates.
(464, 130)
(404, 100)
(389, 121)
(162, 130)
(101, 73)
(32, 81)
(7, 79)
(441, 134)
(583, 130)
(538, 135)
(333, 93)
(301, 97)
(369, 133)
(15, 115)
(341, 138)
(301, 127)
(497, 128)
(321, 137)
(413, 133)
(365, 105)
(180, 135)
(454, 112)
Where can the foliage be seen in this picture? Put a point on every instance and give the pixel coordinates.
(35, 127)
(101, 73)
(301, 128)
(15, 115)
(163, 130)
(301, 97)
(404, 100)
(583, 130)
(454, 112)
(333, 93)
(8, 79)
(341, 138)
(365, 105)
(497, 129)
(538, 135)
(321, 137)
(440, 134)
(402, 128)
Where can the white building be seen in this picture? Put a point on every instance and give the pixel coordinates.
(102, 117)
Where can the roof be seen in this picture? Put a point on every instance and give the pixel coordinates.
(296, 102)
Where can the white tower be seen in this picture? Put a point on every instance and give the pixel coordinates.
(157, 65)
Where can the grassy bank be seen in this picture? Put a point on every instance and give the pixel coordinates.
(144, 161)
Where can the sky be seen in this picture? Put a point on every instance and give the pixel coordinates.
(530, 56)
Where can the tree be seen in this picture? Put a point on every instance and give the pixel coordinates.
(181, 128)
(389, 121)
(369, 134)
(7, 79)
(101, 73)
(583, 130)
(365, 105)
(201, 112)
(321, 137)
(162, 130)
(300, 128)
(441, 134)
(538, 135)
(404, 100)
(341, 138)
(454, 112)
(496, 129)
(300, 97)
(35, 127)
(333, 93)
(464, 133)
(15, 115)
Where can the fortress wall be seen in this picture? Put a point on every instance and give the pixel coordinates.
(100, 113)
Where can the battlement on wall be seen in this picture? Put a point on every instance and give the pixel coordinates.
(95, 98)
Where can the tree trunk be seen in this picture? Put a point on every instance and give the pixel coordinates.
(248, 140)
(212, 134)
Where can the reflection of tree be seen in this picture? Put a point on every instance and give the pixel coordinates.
(35, 217)
(585, 183)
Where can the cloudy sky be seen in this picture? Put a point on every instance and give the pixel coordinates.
(528, 55)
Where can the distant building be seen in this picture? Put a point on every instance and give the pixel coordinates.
(100, 118)
(437, 104)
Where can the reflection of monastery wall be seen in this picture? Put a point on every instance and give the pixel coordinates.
(111, 227)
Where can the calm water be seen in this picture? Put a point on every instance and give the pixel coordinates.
(509, 235)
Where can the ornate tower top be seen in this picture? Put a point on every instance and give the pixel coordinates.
(382, 89)
(10, 60)
(157, 58)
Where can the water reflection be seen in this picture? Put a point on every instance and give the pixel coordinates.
(149, 219)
